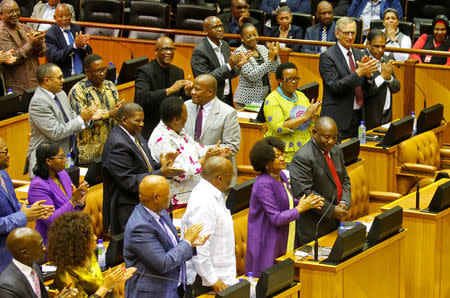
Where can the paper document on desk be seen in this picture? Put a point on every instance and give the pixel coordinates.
(247, 115)
(386, 126)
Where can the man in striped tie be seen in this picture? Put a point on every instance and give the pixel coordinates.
(323, 30)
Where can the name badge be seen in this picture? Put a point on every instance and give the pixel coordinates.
(427, 59)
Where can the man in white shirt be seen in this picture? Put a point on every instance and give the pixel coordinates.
(46, 11)
(215, 262)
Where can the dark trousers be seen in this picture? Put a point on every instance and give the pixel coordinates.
(228, 99)
(197, 289)
(352, 131)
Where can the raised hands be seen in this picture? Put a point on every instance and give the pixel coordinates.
(366, 67)
(313, 108)
(36, 38)
(37, 210)
(7, 57)
(178, 85)
(113, 110)
(166, 165)
(387, 69)
(192, 235)
(81, 39)
(274, 48)
(311, 201)
(114, 276)
(239, 59)
(79, 194)
(91, 113)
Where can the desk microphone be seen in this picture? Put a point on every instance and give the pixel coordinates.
(121, 44)
(316, 234)
(415, 174)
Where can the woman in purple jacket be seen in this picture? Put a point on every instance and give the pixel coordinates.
(273, 210)
(53, 184)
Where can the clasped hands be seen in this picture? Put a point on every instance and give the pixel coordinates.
(192, 235)
(368, 65)
(94, 113)
(238, 59)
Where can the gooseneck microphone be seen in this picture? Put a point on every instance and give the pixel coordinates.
(121, 44)
(415, 174)
(316, 233)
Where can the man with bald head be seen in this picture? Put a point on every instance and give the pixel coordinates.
(152, 245)
(157, 80)
(323, 30)
(126, 160)
(213, 56)
(27, 44)
(22, 277)
(318, 168)
(66, 44)
(211, 120)
(215, 262)
(45, 10)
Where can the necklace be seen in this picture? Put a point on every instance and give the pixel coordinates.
(286, 30)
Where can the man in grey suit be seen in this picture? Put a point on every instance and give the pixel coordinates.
(318, 168)
(211, 120)
(213, 56)
(382, 84)
(46, 11)
(51, 117)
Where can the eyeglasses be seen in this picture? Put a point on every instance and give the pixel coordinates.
(99, 71)
(348, 32)
(166, 50)
(4, 151)
(58, 157)
(216, 27)
(291, 80)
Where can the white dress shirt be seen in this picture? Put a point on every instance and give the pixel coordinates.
(347, 59)
(66, 37)
(370, 12)
(405, 44)
(379, 80)
(206, 109)
(216, 258)
(26, 271)
(48, 16)
(164, 140)
(222, 61)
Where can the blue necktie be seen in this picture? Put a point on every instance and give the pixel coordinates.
(77, 64)
(73, 139)
(183, 265)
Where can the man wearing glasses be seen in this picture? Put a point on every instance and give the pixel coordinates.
(157, 80)
(343, 70)
(51, 117)
(94, 90)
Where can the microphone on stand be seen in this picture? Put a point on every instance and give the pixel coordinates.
(316, 233)
(121, 44)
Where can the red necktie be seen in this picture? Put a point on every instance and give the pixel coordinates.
(335, 176)
(198, 124)
(358, 90)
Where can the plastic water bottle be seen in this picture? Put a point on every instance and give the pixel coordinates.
(414, 132)
(10, 91)
(362, 133)
(115, 81)
(69, 161)
(252, 285)
(101, 256)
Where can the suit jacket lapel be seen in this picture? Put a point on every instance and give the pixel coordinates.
(8, 196)
(212, 54)
(340, 58)
(41, 281)
(158, 227)
(60, 37)
(132, 144)
(24, 281)
(225, 53)
(212, 115)
(320, 158)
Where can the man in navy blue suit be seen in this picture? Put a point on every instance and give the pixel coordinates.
(151, 244)
(66, 44)
(12, 215)
(323, 30)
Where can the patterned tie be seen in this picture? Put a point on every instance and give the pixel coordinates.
(198, 124)
(37, 286)
(174, 243)
(77, 64)
(150, 169)
(358, 90)
(2, 183)
(73, 139)
(337, 181)
(323, 38)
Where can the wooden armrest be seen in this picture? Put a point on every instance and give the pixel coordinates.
(384, 196)
(415, 167)
(243, 169)
(445, 152)
(178, 213)
(19, 183)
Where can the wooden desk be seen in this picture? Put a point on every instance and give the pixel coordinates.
(250, 134)
(427, 257)
(380, 163)
(292, 292)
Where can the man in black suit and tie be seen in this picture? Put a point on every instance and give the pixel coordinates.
(126, 160)
(213, 56)
(378, 96)
(343, 71)
(22, 277)
(318, 168)
(66, 44)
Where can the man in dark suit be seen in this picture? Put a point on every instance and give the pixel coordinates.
(323, 30)
(126, 160)
(213, 56)
(233, 20)
(157, 80)
(66, 44)
(318, 168)
(378, 96)
(22, 277)
(12, 215)
(152, 245)
(343, 71)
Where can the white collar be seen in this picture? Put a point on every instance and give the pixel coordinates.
(207, 106)
(51, 94)
(213, 45)
(214, 190)
(126, 131)
(344, 50)
(25, 269)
